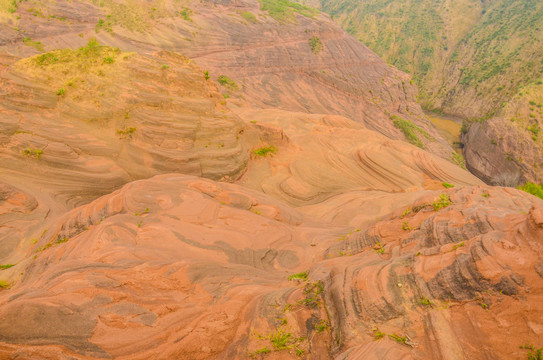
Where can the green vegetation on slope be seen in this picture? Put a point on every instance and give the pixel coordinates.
(410, 131)
(315, 44)
(455, 51)
(533, 189)
(285, 10)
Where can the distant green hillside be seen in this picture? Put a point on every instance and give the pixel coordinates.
(467, 56)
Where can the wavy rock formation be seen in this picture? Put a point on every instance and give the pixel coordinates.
(320, 156)
(456, 283)
(270, 59)
(99, 125)
(182, 267)
(148, 212)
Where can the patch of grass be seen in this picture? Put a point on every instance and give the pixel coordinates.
(303, 276)
(263, 350)
(425, 301)
(405, 226)
(33, 152)
(44, 247)
(534, 129)
(447, 185)
(322, 326)
(398, 338)
(456, 246)
(459, 159)
(61, 240)
(377, 334)
(312, 292)
(185, 14)
(410, 131)
(6, 266)
(264, 151)
(282, 340)
(206, 75)
(316, 45)
(533, 189)
(485, 195)
(442, 202)
(75, 65)
(249, 16)
(533, 353)
(106, 25)
(10, 6)
(378, 247)
(3, 284)
(227, 82)
(35, 44)
(165, 67)
(285, 10)
(126, 132)
(406, 212)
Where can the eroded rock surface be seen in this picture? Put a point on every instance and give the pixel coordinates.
(181, 267)
(270, 61)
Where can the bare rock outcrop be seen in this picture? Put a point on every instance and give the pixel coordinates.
(182, 267)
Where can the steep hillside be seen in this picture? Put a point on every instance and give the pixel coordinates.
(292, 59)
(467, 56)
(477, 60)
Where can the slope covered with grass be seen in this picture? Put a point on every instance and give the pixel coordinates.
(468, 57)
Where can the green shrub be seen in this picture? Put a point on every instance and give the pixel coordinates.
(303, 276)
(61, 91)
(6, 266)
(447, 185)
(316, 44)
(35, 44)
(33, 152)
(534, 129)
(533, 189)
(227, 82)
(398, 338)
(185, 14)
(410, 131)
(264, 151)
(107, 25)
(12, 7)
(459, 159)
(249, 16)
(442, 202)
(285, 10)
(425, 301)
(322, 326)
(378, 334)
(126, 132)
(533, 353)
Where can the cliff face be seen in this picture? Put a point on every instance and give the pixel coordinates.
(508, 149)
